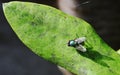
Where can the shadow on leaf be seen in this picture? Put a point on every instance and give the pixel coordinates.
(96, 57)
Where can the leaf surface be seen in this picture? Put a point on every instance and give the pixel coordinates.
(46, 31)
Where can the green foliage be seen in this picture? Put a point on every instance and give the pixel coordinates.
(46, 31)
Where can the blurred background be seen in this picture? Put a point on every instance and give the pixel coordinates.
(17, 59)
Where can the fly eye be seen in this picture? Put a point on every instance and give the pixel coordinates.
(72, 43)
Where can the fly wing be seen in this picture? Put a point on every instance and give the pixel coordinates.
(80, 40)
(81, 48)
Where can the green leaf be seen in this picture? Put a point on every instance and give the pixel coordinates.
(46, 31)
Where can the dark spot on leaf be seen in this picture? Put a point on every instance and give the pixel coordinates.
(42, 34)
(111, 70)
(36, 21)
